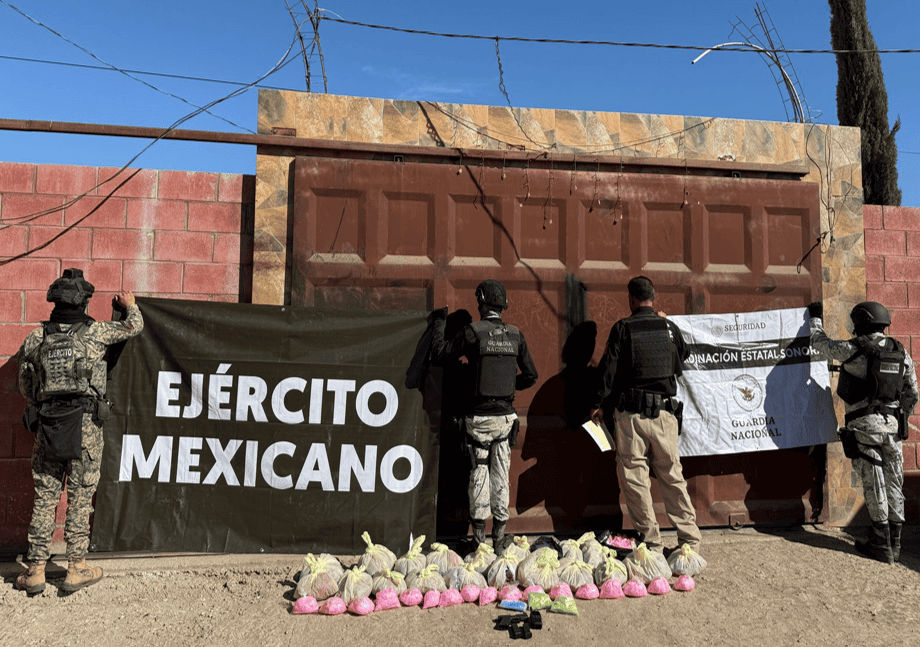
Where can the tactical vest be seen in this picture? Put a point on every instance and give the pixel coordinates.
(885, 366)
(63, 370)
(499, 344)
(654, 354)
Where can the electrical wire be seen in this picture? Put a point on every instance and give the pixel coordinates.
(282, 62)
(116, 68)
(148, 73)
(565, 41)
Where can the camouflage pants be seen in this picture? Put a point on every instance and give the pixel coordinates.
(883, 476)
(488, 487)
(82, 478)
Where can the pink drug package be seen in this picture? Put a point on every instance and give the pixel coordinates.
(510, 592)
(561, 589)
(621, 542)
(332, 606)
(432, 598)
(488, 595)
(450, 598)
(306, 604)
(684, 583)
(361, 606)
(533, 588)
(612, 590)
(635, 589)
(659, 586)
(411, 598)
(386, 599)
(470, 592)
(588, 592)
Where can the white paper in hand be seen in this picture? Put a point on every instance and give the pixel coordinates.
(599, 435)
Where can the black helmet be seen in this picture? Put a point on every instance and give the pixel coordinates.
(492, 293)
(71, 289)
(870, 313)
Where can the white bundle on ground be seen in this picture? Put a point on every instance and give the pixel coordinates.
(610, 569)
(646, 565)
(388, 579)
(444, 557)
(316, 582)
(466, 574)
(503, 571)
(571, 548)
(310, 579)
(530, 558)
(576, 574)
(377, 558)
(482, 557)
(542, 571)
(686, 561)
(327, 562)
(413, 560)
(593, 551)
(427, 579)
(519, 547)
(355, 584)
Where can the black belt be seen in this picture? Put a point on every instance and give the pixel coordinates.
(885, 409)
(646, 402)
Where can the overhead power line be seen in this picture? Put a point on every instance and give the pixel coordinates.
(565, 41)
(116, 68)
(282, 62)
(145, 72)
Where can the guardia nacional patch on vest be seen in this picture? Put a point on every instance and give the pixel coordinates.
(499, 344)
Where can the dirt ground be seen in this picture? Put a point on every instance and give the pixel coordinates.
(797, 586)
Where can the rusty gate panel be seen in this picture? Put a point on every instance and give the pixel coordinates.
(416, 235)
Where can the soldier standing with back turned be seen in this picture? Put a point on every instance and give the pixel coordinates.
(496, 351)
(62, 374)
(878, 385)
(644, 357)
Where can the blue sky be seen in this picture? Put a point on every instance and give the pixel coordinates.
(235, 40)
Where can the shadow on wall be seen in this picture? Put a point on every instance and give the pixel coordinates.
(575, 482)
(247, 237)
(16, 490)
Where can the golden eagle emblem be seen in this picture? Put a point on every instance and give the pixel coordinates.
(747, 394)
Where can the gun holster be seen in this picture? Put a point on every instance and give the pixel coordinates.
(30, 418)
(515, 428)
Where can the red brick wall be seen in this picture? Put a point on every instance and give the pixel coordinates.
(164, 233)
(893, 279)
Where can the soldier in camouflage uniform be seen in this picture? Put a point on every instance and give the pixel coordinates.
(70, 295)
(873, 418)
(496, 351)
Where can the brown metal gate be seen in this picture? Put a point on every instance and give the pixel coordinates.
(564, 236)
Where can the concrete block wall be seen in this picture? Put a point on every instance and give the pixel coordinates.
(893, 279)
(171, 234)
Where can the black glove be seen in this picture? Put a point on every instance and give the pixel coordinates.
(440, 313)
(816, 310)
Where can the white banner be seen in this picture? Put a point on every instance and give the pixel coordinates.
(752, 383)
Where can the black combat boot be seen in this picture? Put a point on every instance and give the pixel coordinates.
(878, 546)
(479, 530)
(895, 529)
(498, 535)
